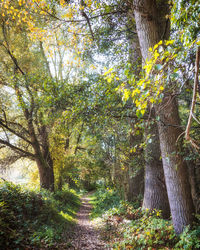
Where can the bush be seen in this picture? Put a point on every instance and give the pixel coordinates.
(33, 218)
(104, 199)
(189, 239)
(130, 227)
(148, 230)
(108, 202)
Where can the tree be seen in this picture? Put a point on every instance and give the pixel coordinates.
(155, 193)
(151, 28)
(23, 129)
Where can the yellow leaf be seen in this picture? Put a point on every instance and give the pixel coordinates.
(161, 88)
(142, 111)
(152, 100)
(126, 94)
(156, 46)
(109, 80)
(107, 72)
(169, 42)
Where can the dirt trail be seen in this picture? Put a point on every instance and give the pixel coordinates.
(86, 236)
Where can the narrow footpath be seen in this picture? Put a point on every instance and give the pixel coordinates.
(86, 236)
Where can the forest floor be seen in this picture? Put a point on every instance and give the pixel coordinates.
(86, 233)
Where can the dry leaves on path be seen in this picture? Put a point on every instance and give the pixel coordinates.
(86, 236)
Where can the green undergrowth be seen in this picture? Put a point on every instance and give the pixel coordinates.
(127, 226)
(35, 218)
(103, 200)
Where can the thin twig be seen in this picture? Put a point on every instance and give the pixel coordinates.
(193, 116)
(196, 81)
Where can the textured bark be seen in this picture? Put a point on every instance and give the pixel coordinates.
(135, 58)
(45, 167)
(194, 179)
(135, 168)
(197, 174)
(45, 174)
(155, 194)
(146, 24)
(47, 156)
(148, 18)
(176, 175)
(135, 185)
(42, 156)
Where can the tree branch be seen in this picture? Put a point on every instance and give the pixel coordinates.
(23, 130)
(87, 19)
(196, 82)
(79, 138)
(14, 132)
(17, 149)
(10, 160)
(8, 50)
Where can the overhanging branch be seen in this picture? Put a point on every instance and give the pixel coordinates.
(14, 132)
(17, 149)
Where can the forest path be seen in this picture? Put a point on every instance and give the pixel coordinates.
(86, 236)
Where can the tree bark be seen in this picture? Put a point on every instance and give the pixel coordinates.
(155, 193)
(135, 185)
(135, 173)
(175, 168)
(149, 17)
(194, 179)
(42, 156)
(47, 155)
(45, 167)
(45, 174)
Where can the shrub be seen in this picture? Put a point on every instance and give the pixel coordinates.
(128, 226)
(33, 218)
(105, 199)
(189, 239)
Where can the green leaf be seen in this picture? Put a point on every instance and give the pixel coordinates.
(139, 114)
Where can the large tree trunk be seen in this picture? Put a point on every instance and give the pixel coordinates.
(42, 156)
(135, 172)
(45, 174)
(150, 20)
(194, 179)
(176, 175)
(155, 193)
(47, 156)
(135, 185)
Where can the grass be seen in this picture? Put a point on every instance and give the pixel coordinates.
(93, 199)
(102, 200)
